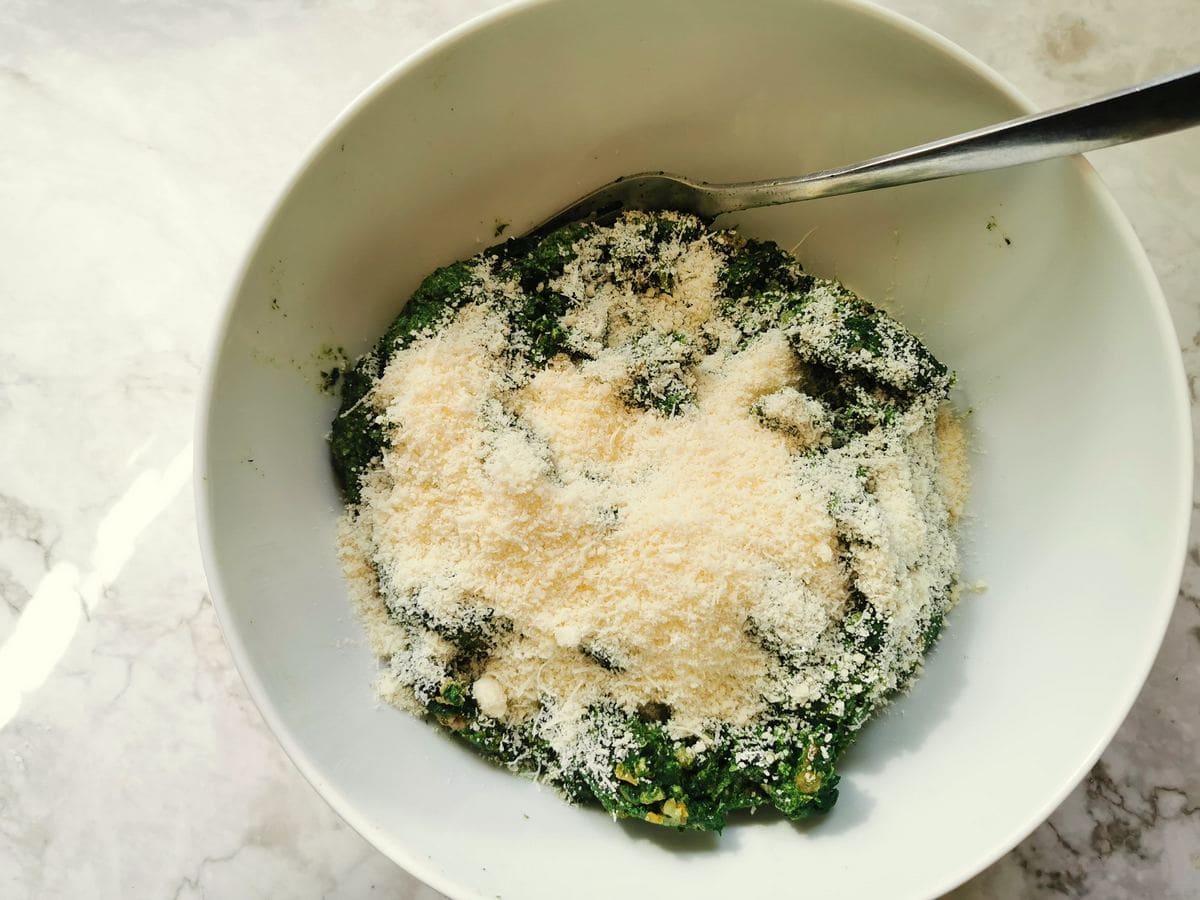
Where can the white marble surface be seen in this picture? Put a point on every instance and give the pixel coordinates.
(141, 144)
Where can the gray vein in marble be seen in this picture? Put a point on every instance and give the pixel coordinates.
(12, 592)
(20, 521)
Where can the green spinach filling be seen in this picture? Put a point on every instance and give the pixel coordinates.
(868, 380)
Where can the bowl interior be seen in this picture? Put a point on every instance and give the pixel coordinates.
(1027, 282)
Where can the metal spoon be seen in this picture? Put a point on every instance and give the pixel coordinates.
(1145, 110)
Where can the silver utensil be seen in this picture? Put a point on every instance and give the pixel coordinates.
(1145, 110)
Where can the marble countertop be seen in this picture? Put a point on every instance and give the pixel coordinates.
(141, 147)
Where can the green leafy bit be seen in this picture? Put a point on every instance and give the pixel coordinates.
(644, 259)
(689, 786)
(844, 333)
(426, 308)
(754, 268)
(356, 440)
(538, 317)
(661, 375)
(536, 260)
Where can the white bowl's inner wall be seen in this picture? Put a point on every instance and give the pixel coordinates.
(1055, 336)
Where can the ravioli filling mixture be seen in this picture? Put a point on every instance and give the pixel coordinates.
(651, 514)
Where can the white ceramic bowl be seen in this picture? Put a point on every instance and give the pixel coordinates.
(1062, 344)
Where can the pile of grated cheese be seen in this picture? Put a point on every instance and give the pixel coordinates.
(665, 514)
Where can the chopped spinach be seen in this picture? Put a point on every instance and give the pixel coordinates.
(786, 758)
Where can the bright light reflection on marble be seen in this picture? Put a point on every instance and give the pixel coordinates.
(65, 596)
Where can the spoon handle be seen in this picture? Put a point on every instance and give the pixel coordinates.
(1145, 110)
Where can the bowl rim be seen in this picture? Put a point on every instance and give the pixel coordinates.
(378, 837)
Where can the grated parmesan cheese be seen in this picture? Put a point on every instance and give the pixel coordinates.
(664, 517)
